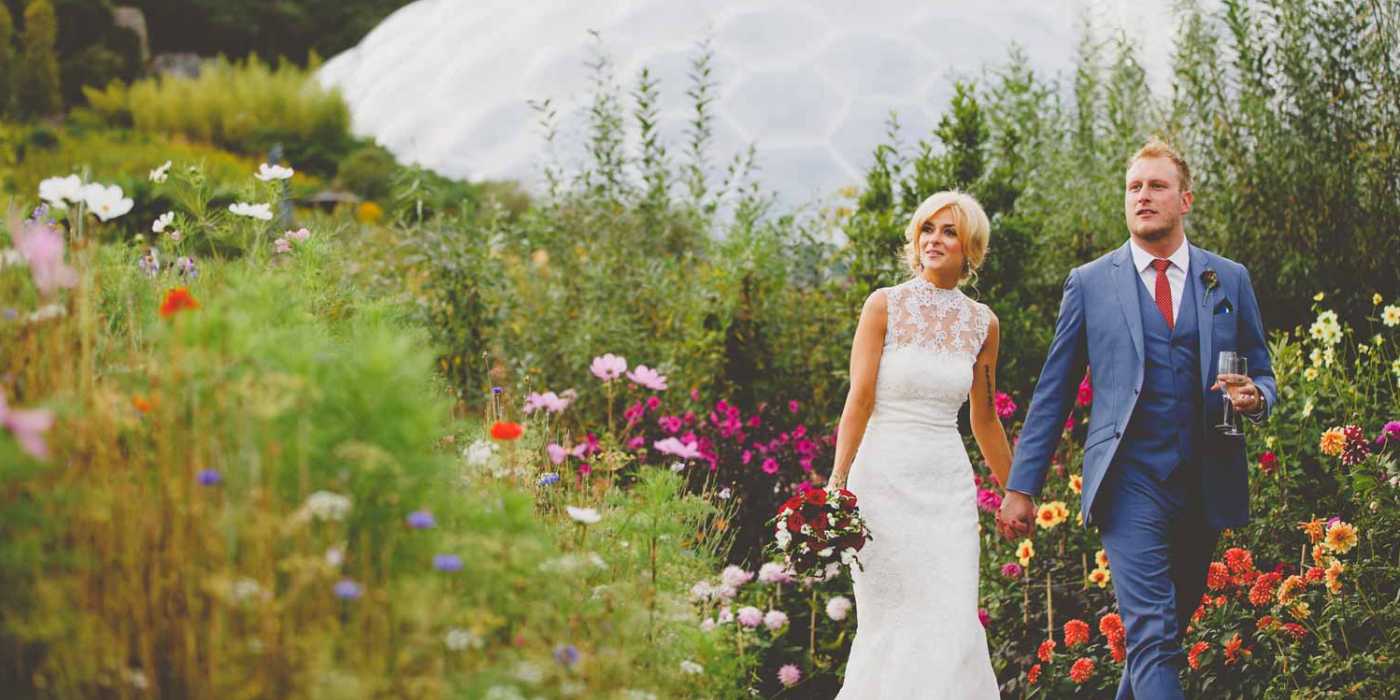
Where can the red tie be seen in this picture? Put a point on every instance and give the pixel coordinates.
(1163, 291)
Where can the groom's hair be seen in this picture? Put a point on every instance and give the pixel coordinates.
(1157, 148)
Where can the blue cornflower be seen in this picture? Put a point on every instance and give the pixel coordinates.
(210, 477)
(567, 655)
(549, 479)
(447, 562)
(421, 520)
(347, 590)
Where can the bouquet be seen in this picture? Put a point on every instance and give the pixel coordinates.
(820, 532)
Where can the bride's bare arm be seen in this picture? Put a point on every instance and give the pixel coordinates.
(986, 426)
(866, 348)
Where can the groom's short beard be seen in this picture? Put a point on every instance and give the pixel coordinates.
(1154, 234)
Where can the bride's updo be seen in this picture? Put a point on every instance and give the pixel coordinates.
(968, 218)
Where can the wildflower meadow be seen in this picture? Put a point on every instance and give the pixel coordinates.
(426, 437)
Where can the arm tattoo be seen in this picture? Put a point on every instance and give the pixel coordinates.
(987, 372)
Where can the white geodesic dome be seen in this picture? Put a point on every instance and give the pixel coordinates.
(445, 83)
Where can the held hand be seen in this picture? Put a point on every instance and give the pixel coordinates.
(1016, 516)
(1243, 393)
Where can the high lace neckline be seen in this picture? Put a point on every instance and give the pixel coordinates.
(921, 282)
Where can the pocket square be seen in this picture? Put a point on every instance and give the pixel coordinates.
(1224, 307)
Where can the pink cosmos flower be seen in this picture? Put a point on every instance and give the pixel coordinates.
(1004, 405)
(608, 367)
(28, 427)
(648, 377)
(41, 245)
(789, 675)
(746, 457)
(672, 446)
(557, 454)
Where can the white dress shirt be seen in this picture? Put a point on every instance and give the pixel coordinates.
(1176, 272)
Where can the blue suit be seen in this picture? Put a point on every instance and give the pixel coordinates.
(1159, 481)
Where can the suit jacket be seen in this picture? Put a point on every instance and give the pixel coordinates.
(1100, 324)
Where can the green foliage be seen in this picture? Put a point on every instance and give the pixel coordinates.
(8, 66)
(367, 171)
(38, 88)
(246, 106)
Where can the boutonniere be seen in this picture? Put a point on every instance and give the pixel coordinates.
(1210, 280)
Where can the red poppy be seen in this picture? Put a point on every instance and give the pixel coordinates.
(177, 300)
(506, 430)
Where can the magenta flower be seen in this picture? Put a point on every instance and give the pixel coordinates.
(789, 675)
(1086, 392)
(557, 454)
(608, 367)
(584, 469)
(41, 245)
(28, 427)
(672, 446)
(670, 424)
(983, 616)
(637, 443)
(793, 406)
(770, 466)
(746, 457)
(1004, 405)
(1012, 570)
(648, 377)
(653, 403)
(988, 500)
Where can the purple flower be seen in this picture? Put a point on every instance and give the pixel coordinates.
(988, 500)
(567, 655)
(209, 477)
(421, 520)
(789, 675)
(549, 479)
(346, 589)
(1011, 570)
(447, 562)
(497, 390)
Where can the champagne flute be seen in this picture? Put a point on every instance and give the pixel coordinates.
(1233, 363)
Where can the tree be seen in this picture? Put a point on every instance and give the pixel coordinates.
(39, 90)
(7, 61)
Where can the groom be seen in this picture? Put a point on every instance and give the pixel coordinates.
(1160, 481)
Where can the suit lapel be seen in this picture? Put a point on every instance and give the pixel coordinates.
(1126, 280)
(1203, 314)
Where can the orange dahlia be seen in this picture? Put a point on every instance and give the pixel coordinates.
(1033, 675)
(1076, 633)
(1232, 649)
(1082, 670)
(1292, 586)
(1217, 576)
(1332, 442)
(1334, 576)
(1315, 529)
(1193, 657)
(1046, 652)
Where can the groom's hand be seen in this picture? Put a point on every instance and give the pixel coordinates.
(1245, 396)
(1017, 515)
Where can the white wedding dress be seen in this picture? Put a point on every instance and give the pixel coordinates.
(917, 633)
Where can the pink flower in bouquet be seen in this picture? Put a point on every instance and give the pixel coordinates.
(789, 675)
(41, 245)
(750, 616)
(1005, 406)
(1086, 392)
(28, 427)
(608, 367)
(1012, 570)
(683, 450)
(648, 377)
(770, 466)
(695, 394)
(988, 500)
(633, 413)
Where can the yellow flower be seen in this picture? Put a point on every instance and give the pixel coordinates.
(1318, 296)
(1395, 366)
(1331, 335)
(1100, 577)
(1315, 357)
(1334, 576)
(1269, 441)
(1076, 483)
(1341, 537)
(1300, 610)
(1101, 558)
(1051, 514)
(1376, 299)
(369, 213)
(1377, 340)
(1314, 528)
(1292, 586)
(1310, 374)
(1025, 552)
(1390, 315)
(1332, 442)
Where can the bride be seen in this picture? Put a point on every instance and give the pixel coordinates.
(921, 349)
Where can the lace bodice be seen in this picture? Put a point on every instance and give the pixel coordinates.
(932, 337)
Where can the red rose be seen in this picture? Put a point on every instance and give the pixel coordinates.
(816, 497)
(795, 522)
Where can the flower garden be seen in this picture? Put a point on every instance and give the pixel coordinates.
(455, 441)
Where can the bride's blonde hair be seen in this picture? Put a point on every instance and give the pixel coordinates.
(969, 220)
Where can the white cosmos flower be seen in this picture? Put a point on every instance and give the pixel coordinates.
(256, 211)
(158, 226)
(159, 174)
(268, 172)
(59, 192)
(691, 668)
(587, 516)
(107, 201)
